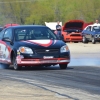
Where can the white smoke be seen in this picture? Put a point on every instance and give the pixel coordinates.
(3, 66)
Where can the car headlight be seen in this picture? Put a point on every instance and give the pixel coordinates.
(26, 50)
(64, 49)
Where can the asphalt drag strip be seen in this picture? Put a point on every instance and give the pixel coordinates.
(27, 89)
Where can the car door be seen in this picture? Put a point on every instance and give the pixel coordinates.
(92, 32)
(88, 32)
(95, 31)
(5, 46)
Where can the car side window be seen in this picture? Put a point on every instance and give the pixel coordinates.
(88, 28)
(8, 34)
(96, 28)
(1, 34)
(93, 29)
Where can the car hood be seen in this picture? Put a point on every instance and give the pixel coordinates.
(73, 24)
(41, 43)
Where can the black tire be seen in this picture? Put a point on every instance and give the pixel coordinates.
(93, 40)
(63, 66)
(84, 40)
(15, 66)
(75, 41)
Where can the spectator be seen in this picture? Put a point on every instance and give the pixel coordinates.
(96, 22)
(58, 29)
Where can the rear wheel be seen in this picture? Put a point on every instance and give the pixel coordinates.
(84, 40)
(15, 65)
(63, 66)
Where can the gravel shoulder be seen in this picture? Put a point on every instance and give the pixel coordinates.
(89, 50)
(14, 90)
(84, 48)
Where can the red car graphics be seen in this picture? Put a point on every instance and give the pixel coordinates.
(45, 43)
(4, 52)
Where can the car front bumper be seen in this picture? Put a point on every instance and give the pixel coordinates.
(72, 39)
(52, 61)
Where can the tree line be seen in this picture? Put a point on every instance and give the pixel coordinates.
(40, 11)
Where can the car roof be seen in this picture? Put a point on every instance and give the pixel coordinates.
(27, 26)
(94, 25)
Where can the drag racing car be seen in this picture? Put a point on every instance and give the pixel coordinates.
(91, 33)
(32, 45)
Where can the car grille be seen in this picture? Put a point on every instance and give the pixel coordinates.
(75, 35)
(46, 51)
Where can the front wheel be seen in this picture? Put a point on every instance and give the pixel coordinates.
(75, 41)
(63, 66)
(84, 40)
(93, 40)
(15, 65)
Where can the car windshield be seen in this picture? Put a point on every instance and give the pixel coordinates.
(34, 33)
(96, 28)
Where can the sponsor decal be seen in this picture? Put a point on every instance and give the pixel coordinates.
(18, 52)
(47, 50)
(4, 52)
(1, 53)
(18, 58)
(4, 56)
